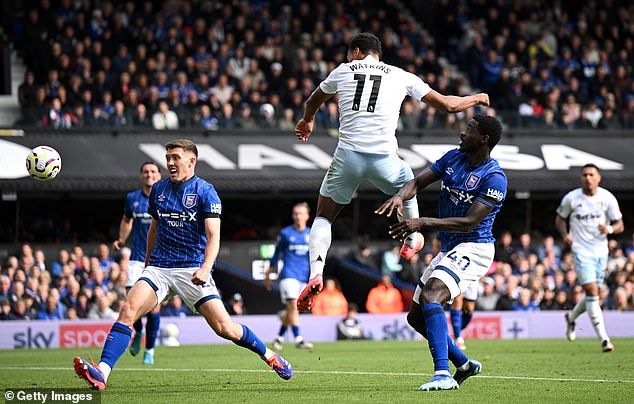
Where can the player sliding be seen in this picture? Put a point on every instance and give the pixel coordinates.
(472, 189)
(370, 97)
(183, 243)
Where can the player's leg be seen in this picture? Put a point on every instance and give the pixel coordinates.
(135, 268)
(346, 171)
(219, 320)
(389, 174)
(152, 325)
(593, 306)
(279, 338)
(206, 300)
(455, 315)
(582, 269)
(143, 297)
(467, 306)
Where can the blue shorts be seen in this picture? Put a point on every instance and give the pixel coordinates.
(590, 269)
(350, 168)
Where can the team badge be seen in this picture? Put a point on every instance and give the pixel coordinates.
(449, 170)
(190, 200)
(472, 181)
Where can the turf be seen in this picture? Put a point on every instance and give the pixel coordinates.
(517, 371)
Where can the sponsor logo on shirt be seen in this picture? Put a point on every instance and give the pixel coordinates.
(495, 194)
(215, 208)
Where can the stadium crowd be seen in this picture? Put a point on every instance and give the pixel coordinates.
(251, 64)
(525, 276)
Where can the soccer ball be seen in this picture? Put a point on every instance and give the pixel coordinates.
(415, 240)
(43, 163)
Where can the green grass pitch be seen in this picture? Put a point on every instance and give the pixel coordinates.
(514, 371)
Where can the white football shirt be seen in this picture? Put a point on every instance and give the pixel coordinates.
(586, 213)
(370, 96)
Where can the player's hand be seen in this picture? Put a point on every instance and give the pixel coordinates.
(483, 99)
(267, 282)
(395, 202)
(400, 230)
(603, 228)
(117, 244)
(200, 277)
(303, 129)
(568, 239)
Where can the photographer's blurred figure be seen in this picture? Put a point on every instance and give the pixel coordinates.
(350, 328)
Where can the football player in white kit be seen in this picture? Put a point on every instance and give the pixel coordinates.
(370, 96)
(593, 213)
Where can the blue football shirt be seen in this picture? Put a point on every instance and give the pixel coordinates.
(181, 210)
(292, 249)
(461, 185)
(135, 208)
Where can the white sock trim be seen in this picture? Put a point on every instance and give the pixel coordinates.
(319, 243)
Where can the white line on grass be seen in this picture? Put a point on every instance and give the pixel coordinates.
(323, 372)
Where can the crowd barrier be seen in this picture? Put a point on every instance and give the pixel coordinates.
(194, 330)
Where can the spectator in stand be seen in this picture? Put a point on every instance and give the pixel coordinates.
(164, 118)
(52, 309)
(175, 308)
(390, 261)
(330, 301)
(488, 298)
(509, 298)
(384, 298)
(504, 250)
(102, 310)
(235, 305)
(525, 302)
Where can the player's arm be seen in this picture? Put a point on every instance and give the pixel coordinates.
(465, 224)
(409, 190)
(615, 227)
(454, 103)
(212, 231)
(273, 263)
(313, 103)
(125, 228)
(152, 234)
(562, 228)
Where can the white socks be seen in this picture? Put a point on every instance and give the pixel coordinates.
(579, 309)
(596, 317)
(319, 243)
(410, 209)
(105, 369)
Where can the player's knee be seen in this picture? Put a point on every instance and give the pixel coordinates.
(226, 330)
(127, 314)
(416, 321)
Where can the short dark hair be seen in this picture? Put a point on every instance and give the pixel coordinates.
(490, 126)
(185, 144)
(150, 162)
(366, 42)
(591, 165)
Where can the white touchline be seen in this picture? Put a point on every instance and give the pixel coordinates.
(325, 372)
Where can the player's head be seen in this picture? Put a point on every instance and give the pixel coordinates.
(363, 44)
(150, 173)
(301, 214)
(181, 156)
(482, 130)
(590, 177)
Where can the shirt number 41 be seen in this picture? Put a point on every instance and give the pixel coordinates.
(360, 78)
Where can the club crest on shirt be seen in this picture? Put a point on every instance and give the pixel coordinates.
(472, 181)
(449, 170)
(190, 200)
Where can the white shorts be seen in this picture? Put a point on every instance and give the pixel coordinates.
(350, 168)
(470, 292)
(178, 281)
(459, 269)
(135, 268)
(290, 289)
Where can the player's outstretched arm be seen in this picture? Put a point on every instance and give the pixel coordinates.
(304, 127)
(212, 231)
(465, 224)
(125, 228)
(409, 190)
(454, 103)
(152, 234)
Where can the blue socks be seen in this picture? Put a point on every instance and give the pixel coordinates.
(138, 325)
(117, 342)
(295, 329)
(251, 341)
(282, 331)
(456, 356)
(466, 319)
(456, 322)
(436, 323)
(152, 329)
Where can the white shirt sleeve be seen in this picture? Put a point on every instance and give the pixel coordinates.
(565, 208)
(614, 212)
(416, 87)
(329, 85)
